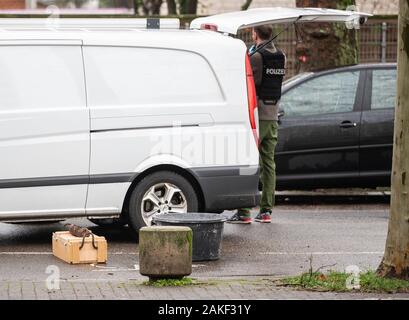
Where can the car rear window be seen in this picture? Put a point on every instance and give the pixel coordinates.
(332, 93)
(384, 89)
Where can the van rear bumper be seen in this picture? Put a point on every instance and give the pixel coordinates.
(228, 188)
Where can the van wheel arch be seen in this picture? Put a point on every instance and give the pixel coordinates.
(183, 172)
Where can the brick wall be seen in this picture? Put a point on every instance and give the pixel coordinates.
(12, 4)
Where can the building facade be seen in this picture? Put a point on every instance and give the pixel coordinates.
(379, 7)
(13, 4)
(65, 6)
(207, 7)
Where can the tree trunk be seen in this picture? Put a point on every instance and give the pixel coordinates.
(326, 45)
(157, 4)
(171, 7)
(151, 7)
(396, 259)
(122, 3)
(188, 6)
(191, 6)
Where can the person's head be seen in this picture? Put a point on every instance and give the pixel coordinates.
(262, 33)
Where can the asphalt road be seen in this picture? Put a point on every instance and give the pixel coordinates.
(332, 234)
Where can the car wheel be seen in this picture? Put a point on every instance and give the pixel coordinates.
(110, 223)
(160, 193)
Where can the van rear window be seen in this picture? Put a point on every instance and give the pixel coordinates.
(145, 76)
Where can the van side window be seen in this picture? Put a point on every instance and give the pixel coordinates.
(40, 77)
(384, 88)
(333, 93)
(143, 76)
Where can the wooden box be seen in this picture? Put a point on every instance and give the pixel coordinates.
(67, 247)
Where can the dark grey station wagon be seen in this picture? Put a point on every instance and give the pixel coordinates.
(336, 128)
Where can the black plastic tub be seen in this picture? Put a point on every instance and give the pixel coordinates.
(207, 232)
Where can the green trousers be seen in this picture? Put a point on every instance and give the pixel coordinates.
(268, 142)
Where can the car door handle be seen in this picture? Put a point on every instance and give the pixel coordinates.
(348, 125)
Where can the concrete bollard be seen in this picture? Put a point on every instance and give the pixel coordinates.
(165, 252)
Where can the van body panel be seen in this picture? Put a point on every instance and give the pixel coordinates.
(36, 202)
(45, 131)
(106, 199)
(216, 183)
(121, 123)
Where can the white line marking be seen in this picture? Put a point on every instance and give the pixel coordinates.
(116, 270)
(135, 268)
(26, 253)
(124, 253)
(340, 253)
(263, 253)
(6, 253)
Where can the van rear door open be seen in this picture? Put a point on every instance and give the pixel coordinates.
(234, 21)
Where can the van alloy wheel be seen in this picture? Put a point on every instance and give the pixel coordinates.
(160, 192)
(162, 198)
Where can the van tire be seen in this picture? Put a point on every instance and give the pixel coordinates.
(136, 220)
(110, 222)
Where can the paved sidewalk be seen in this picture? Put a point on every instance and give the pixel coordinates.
(213, 289)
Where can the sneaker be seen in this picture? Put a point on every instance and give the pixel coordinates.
(263, 217)
(237, 219)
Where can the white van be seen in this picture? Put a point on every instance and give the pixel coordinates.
(117, 119)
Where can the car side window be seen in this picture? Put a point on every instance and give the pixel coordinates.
(384, 89)
(333, 93)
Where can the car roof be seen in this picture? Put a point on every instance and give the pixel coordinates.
(307, 75)
(357, 67)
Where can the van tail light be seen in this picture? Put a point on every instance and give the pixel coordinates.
(209, 26)
(252, 99)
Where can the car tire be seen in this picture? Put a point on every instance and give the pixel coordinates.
(155, 189)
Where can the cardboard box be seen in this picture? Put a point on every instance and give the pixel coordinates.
(67, 247)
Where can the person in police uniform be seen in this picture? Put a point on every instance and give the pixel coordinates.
(268, 66)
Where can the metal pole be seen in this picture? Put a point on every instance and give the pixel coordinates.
(384, 43)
